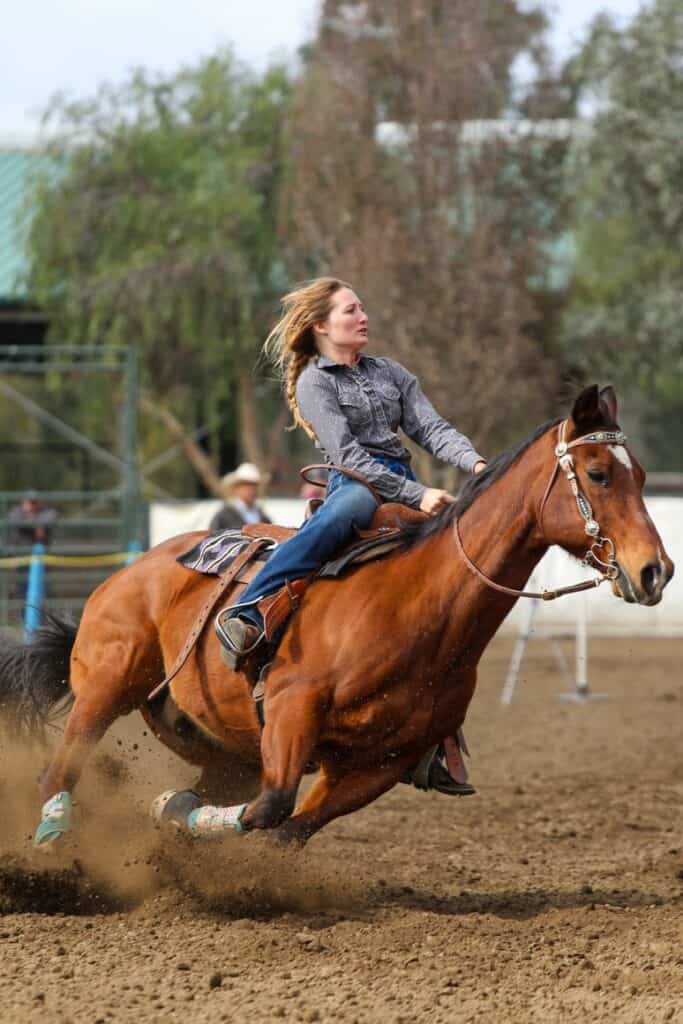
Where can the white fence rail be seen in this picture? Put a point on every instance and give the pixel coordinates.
(607, 615)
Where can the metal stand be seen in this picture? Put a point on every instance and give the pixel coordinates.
(581, 694)
(518, 653)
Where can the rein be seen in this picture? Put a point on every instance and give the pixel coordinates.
(608, 569)
(329, 467)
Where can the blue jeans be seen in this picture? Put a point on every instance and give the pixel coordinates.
(348, 505)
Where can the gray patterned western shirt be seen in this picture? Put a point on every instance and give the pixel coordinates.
(356, 412)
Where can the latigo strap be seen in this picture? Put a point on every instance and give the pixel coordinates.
(216, 593)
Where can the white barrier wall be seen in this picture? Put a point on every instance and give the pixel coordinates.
(169, 518)
(607, 614)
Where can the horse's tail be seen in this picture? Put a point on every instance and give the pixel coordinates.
(34, 676)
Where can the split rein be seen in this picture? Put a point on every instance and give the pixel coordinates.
(608, 569)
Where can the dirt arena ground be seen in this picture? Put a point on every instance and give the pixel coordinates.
(555, 894)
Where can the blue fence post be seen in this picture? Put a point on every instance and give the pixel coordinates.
(133, 550)
(35, 590)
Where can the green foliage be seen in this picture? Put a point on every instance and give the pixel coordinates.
(625, 319)
(162, 232)
(410, 181)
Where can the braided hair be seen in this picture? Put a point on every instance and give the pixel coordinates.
(291, 343)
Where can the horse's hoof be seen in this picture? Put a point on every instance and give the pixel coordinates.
(174, 807)
(214, 822)
(56, 821)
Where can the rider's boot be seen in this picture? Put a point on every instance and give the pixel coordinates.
(239, 637)
(431, 772)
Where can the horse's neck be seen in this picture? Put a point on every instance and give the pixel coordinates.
(499, 534)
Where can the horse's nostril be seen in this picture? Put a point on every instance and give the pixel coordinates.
(649, 577)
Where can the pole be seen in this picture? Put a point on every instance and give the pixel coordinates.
(35, 590)
(581, 694)
(134, 549)
(516, 661)
(582, 648)
(129, 481)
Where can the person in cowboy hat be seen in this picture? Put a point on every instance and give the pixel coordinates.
(241, 488)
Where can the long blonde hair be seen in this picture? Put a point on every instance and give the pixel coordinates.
(291, 343)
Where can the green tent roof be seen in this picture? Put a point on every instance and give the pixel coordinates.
(18, 167)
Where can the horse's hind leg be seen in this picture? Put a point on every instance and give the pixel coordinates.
(87, 723)
(104, 688)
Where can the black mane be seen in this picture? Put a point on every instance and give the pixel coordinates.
(476, 485)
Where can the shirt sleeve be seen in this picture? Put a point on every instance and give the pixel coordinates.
(422, 423)
(317, 399)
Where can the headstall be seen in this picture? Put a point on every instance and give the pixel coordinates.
(605, 564)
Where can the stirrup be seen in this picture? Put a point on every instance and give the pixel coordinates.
(230, 653)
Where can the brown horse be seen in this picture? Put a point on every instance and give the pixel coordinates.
(373, 668)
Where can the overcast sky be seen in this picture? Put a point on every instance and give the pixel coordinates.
(72, 45)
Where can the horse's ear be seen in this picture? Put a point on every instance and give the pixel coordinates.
(586, 412)
(608, 397)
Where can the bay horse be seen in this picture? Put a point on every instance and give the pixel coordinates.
(373, 668)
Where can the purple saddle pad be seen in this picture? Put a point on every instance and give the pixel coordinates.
(213, 555)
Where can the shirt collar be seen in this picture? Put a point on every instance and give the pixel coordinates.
(325, 363)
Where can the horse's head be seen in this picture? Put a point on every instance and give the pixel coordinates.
(595, 502)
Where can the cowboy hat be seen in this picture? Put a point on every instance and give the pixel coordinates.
(246, 473)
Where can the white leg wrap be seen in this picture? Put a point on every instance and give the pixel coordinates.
(209, 821)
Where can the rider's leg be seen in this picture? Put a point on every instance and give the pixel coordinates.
(349, 507)
(442, 767)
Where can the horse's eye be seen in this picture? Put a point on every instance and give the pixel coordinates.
(598, 476)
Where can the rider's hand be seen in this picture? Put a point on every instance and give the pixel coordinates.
(433, 500)
(479, 466)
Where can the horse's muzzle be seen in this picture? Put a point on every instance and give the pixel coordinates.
(648, 587)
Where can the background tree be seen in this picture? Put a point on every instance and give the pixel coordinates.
(162, 233)
(625, 318)
(404, 182)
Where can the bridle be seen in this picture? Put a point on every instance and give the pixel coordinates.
(606, 565)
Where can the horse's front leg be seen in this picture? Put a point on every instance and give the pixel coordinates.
(336, 792)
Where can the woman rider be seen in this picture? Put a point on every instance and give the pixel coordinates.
(352, 405)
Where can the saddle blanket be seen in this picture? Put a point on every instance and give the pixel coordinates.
(214, 555)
